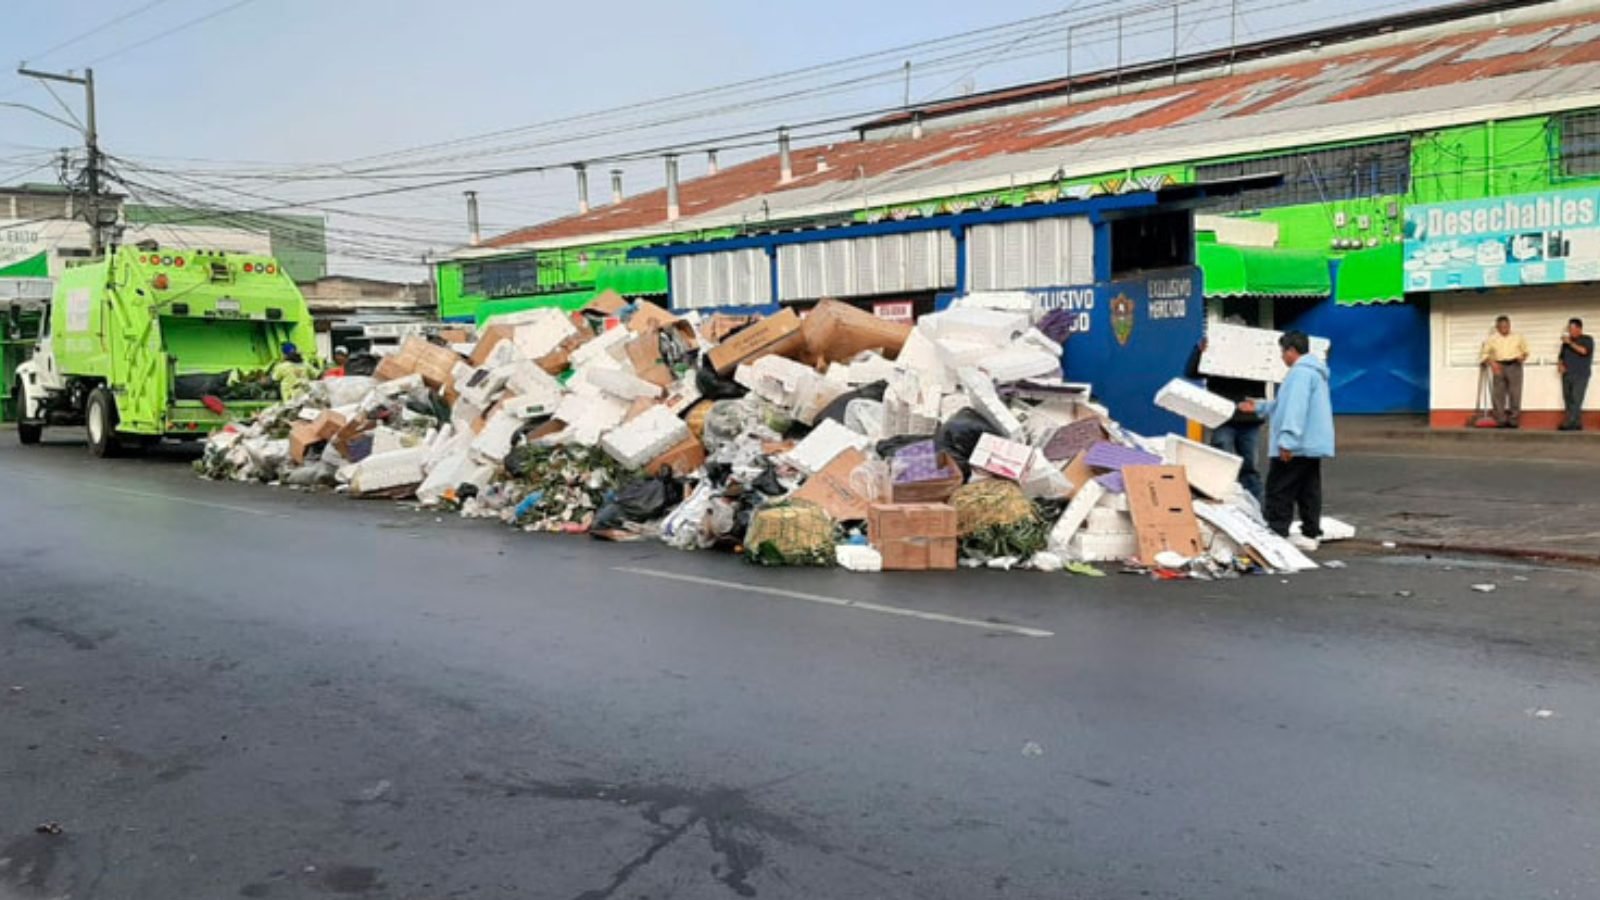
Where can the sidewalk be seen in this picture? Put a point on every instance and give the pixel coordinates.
(1496, 501)
(1410, 435)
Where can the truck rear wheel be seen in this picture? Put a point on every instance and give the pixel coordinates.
(101, 424)
(28, 433)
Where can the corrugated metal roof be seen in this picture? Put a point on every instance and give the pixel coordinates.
(1367, 92)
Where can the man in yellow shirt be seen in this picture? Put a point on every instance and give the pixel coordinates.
(1504, 353)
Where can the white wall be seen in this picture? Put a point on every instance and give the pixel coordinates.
(1460, 321)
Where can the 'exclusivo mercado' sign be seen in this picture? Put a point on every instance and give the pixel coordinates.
(1544, 238)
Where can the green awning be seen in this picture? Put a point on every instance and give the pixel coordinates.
(1372, 276)
(37, 266)
(1231, 271)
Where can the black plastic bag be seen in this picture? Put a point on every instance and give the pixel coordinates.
(361, 364)
(644, 500)
(959, 436)
(835, 409)
(713, 386)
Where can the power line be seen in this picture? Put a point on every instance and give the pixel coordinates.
(168, 31)
(82, 36)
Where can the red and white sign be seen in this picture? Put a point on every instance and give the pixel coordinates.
(895, 311)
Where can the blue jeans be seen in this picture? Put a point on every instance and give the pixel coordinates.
(1243, 441)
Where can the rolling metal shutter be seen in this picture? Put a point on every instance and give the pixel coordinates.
(730, 278)
(1041, 253)
(860, 267)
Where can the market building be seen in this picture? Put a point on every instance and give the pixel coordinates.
(1356, 138)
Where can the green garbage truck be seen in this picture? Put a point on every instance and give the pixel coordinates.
(149, 344)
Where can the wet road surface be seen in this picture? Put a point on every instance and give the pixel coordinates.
(227, 690)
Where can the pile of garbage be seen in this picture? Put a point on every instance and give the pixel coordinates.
(836, 439)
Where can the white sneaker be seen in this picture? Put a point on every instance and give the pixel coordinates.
(1305, 544)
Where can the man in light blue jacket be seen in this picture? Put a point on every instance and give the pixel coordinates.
(1301, 438)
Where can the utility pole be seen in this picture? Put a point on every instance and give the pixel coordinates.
(91, 143)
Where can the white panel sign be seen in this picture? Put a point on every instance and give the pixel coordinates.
(78, 310)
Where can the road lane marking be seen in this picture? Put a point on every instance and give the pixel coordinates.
(841, 601)
(153, 496)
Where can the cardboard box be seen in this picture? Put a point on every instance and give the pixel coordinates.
(998, 456)
(302, 436)
(1163, 511)
(607, 303)
(913, 536)
(348, 432)
(394, 366)
(684, 459)
(487, 339)
(779, 333)
(434, 363)
(649, 317)
(836, 331)
(720, 325)
(832, 489)
(455, 335)
(1078, 472)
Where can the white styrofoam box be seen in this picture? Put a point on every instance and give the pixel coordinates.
(864, 369)
(1044, 480)
(446, 442)
(1041, 341)
(528, 381)
(542, 332)
(921, 355)
(858, 558)
(1275, 551)
(464, 413)
(589, 416)
(1019, 361)
(494, 441)
(998, 456)
(1118, 502)
(621, 383)
(980, 390)
(1087, 547)
(1108, 521)
(453, 471)
(1210, 471)
(983, 326)
(1238, 351)
(608, 343)
(388, 440)
(382, 471)
(1194, 402)
(504, 353)
(781, 382)
(1005, 301)
(1076, 515)
(645, 437)
(827, 440)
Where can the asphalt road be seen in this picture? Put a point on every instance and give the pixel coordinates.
(227, 690)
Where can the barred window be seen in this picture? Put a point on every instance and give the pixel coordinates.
(1580, 142)
(500, 278)
(1316, 176)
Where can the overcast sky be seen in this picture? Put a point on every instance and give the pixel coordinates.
(212, 90)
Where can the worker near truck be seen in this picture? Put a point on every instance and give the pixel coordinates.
(292, 374)
(341, 358)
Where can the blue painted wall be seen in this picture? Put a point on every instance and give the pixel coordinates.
(1167, 317)
(1379, 360)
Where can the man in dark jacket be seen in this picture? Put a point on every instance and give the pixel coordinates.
(1240, 435)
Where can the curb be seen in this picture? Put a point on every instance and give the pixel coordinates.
(1585, 560)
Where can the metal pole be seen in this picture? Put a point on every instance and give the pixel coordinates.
(1174, 42)
(91, 142)
(1233, 31)
(474, 235)
(1119, 54)
(908, 84)
(1070, 30)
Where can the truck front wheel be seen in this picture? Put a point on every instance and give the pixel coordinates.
(27, 433)
(102, 424)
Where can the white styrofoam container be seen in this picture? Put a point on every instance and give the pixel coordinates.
(1194, 402)
(1088, 547)
(858, 558)
(621, 383)
(1087, 497)
(648, 435)
(494, 441)
(382, 471)
(981, 393)
(1210, 471)
(826, 441)
(975, 325)
(589, 416)
(1238, 351)
(1108, 521)
(1020, 361)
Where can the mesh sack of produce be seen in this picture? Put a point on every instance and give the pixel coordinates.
(796, 533)
(994, 520)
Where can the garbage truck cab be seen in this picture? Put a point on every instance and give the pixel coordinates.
(149, 344)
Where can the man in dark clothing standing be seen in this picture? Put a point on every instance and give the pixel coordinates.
(1577, 361)
(1240, 435)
